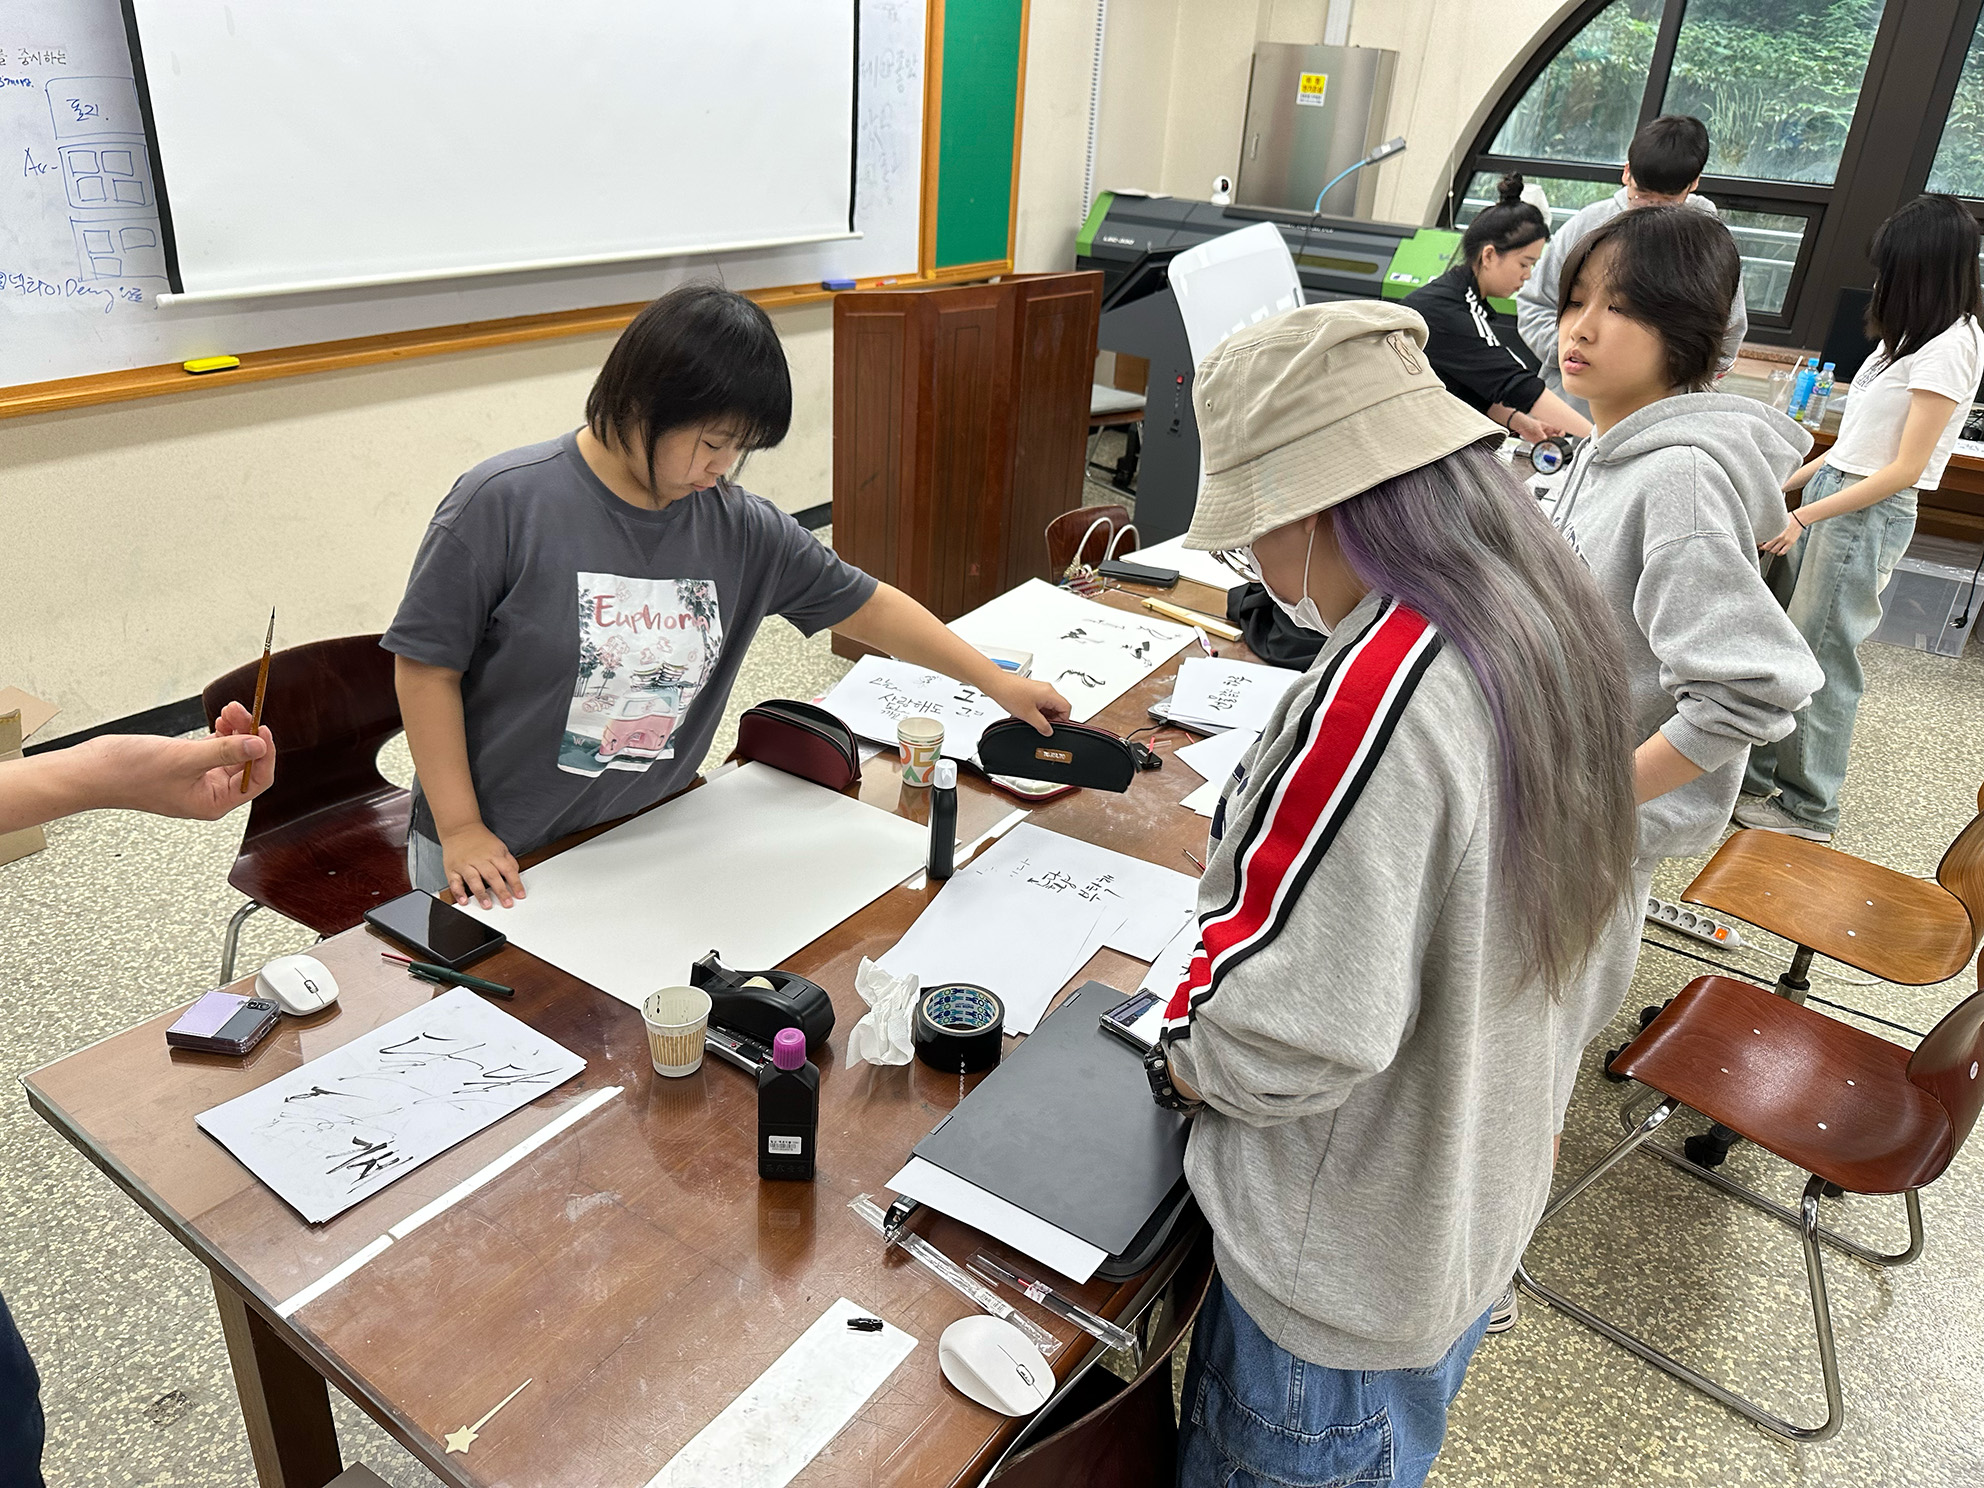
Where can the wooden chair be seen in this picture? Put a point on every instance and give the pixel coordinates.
(1844, 1106)
(1914, 931)
(1088, 534)
(327, 841)
(1108, 1434)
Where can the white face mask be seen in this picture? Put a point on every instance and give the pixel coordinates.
(1303, 614)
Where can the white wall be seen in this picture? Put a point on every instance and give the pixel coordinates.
(145, 538)
(1175, 84)
(1453, 55)
(145, 541)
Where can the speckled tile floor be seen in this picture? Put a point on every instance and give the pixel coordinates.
(122, 917)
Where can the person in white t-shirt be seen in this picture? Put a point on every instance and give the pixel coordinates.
(1840, 546)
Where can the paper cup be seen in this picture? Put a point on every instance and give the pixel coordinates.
(921, 741)
(676, 1018)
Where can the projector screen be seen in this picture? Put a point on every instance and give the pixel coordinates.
(305, 146)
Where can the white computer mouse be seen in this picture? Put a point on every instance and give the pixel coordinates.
(996, 1365)
(297, 984)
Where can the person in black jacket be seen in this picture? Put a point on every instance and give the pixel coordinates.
(1497, 252)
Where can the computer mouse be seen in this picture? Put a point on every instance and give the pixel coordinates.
(995, 1364)
(297, 984)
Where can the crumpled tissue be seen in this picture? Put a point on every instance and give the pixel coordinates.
(884, 1035)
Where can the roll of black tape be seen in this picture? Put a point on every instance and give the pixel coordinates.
(959, 1028)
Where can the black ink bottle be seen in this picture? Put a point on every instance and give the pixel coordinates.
(943, 819)
(788, 1109)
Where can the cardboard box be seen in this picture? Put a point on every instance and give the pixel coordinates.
(21, 715)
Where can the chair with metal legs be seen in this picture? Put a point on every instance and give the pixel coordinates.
(327, 841)
(1842, 1105)
(1912, 931)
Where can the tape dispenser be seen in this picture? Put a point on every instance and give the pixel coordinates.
(757, 1004)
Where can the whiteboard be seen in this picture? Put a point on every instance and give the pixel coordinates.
(382, 141)
(82, 263)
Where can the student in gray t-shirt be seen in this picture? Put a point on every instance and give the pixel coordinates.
(579, 608)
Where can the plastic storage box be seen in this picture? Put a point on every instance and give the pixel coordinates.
(1930, 590)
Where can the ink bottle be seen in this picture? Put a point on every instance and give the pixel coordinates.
(788, 1109)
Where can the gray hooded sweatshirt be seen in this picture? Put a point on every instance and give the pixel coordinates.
(1668, 507)
(1536, 301)
(1381, 1077)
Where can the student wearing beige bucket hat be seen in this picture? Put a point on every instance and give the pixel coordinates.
(1406, 873)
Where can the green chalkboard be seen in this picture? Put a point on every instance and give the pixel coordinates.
(979, 113)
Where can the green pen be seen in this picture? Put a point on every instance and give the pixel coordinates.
(445, 976)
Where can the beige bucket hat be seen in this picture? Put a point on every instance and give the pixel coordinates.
(1307, 410)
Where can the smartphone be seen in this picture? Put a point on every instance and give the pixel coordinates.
(224, 1023)
(435, 931)
(1137, 573)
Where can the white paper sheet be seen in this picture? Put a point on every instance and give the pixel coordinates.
(1215, 693)
(879, 692)
(1092, 654)
(342, 1127)
(949, 1194)
(1153, 899)
(1215, 757)
(786, 1417)
(1169, 969)
(755, 864)
(1028, 913)
(1022, 942)
(1190, 563)
(1204, 800)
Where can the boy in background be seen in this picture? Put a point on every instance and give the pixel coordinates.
(1663, 167)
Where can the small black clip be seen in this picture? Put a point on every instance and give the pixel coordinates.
(897, 1218)
(866, 1324)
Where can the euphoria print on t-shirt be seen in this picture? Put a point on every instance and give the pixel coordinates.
(646, 648)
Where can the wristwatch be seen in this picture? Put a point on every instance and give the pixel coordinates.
(1163, 1090)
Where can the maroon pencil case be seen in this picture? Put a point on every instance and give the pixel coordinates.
(800, 739)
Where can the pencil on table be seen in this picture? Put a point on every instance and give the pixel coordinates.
(261, 692)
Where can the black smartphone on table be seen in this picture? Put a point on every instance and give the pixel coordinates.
(436, 932)
(224, 1023)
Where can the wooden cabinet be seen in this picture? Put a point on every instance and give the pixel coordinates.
(960, 430)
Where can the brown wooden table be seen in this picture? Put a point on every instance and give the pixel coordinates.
(633, 1268)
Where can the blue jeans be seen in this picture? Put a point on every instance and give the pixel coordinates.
(1255, 1416)
(21, 1427)
(1830, 584)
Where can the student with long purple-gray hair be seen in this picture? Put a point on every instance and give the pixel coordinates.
(1379, 1031)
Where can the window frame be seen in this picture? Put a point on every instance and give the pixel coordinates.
(1891, 120)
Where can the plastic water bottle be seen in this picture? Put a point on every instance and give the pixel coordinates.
(1801, 389)
(1815, 406)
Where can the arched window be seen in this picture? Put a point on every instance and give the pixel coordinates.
(1819, 125)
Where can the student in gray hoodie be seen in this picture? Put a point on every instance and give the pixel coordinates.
(1380, 1025)
(1669, 503)
(1663, 167)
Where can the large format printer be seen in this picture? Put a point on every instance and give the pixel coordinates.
(1132, 238)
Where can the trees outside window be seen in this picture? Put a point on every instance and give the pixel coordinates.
(1823, 117)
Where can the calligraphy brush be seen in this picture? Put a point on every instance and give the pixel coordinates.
(261, 692)
(447, 976)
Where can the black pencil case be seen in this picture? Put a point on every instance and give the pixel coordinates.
(1075, 754)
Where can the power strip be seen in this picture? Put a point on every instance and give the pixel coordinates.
(1688, 922)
